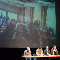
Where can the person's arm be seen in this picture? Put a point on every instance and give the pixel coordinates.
(24, 53)
(36, 52)
(56, 52)
(52, 51)
(42, 51)
(30, 53)
(49, 52)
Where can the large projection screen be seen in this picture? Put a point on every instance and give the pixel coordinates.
(27, 24)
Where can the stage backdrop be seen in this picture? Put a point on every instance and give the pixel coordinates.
(27, 24)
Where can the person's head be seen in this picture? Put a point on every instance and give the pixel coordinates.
(47, 48)
(40, 48)
(54, 46)
(28, 48)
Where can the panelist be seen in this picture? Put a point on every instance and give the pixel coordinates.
(27, 52)
(54, 50)
(39, 51)
(47, 51)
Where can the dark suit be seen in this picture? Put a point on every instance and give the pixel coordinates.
(45, 52)
(55, 52)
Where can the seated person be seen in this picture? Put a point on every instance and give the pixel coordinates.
(47, 51)
(27, 52)
(39, 51)
(54, 51)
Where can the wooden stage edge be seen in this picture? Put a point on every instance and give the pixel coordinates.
(41, 56)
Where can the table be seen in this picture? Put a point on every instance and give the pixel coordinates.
(41, 56)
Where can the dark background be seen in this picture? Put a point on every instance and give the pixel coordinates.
(16, 53)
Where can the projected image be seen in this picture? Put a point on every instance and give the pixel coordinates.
(33, 25)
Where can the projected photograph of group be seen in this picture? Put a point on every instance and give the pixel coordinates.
(27, 24)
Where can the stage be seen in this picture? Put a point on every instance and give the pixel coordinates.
(41, 56)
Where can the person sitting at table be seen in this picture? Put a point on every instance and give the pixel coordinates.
(39, 51)
(54, 50)
(27, 53)
(47, 51)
